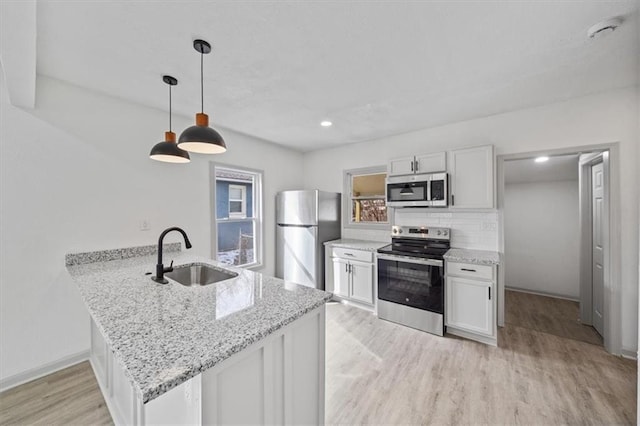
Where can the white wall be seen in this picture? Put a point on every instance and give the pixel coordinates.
(601, 118)
(75, 176)
(542, 237)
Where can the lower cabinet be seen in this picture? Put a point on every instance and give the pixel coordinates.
(362, 282)
(470, 308)
(277, 380)
(351, 275)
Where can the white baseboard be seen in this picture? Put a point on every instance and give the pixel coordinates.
(46, 369)
(542, 293)
(629, 354)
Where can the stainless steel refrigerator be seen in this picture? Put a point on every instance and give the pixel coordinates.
(305, 220)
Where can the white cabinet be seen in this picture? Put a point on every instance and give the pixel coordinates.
(469, 305)
(341, 277)
(470, 301)
(423, 163)
(431, 163)
(361, 282)
(472, 178)
(401, 166)
(276, 380)
(350, 275)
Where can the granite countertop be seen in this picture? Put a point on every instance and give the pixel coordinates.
(481, 257)
(356, 244)
(163, 335)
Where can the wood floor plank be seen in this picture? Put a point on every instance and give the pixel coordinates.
(67, 397)
(549, 315)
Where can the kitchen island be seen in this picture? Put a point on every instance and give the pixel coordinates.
(249, 349)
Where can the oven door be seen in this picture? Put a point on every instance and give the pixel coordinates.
(414, 282)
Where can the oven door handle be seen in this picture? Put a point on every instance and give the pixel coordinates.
(407, 259)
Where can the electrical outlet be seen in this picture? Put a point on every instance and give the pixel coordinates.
(144, 225)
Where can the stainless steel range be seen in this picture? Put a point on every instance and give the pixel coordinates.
(411, 277)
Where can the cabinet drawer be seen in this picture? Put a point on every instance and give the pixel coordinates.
(351, 254)
(471, 270)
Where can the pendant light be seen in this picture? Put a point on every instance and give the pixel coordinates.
(201, 138)
(168, 151)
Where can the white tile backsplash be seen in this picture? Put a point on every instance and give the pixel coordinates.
(470, 230)
(368, 234)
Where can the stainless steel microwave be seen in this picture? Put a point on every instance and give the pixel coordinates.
(421, 190)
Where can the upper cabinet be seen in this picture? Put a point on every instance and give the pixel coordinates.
(472, 178)
(425, 163)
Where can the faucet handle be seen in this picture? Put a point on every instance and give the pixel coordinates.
(169, 268)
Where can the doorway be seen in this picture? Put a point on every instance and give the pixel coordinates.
(542, 246)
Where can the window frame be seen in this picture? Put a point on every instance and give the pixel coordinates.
(347, 199)
(242, 214)
(258, 212)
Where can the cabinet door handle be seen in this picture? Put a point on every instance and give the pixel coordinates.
(346, 268)
(468, 270)
(349, 254)
(350, 268)
(412, 165)
(489, 292)
(452, 202)
(416, 166)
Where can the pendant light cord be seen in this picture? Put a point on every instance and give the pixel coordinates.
(201, 83)
(170, 108)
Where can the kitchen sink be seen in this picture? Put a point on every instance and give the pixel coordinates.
(194, 274)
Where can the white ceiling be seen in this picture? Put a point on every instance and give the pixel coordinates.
(373, 68)
(562, 167)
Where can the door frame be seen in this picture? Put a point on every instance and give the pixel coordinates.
(612, 284)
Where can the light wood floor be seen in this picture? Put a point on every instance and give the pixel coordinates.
(67, 397)
(384, 373)
(549, 315)
(380, 372)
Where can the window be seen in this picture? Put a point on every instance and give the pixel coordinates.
(237, 201)
(365, 203)
(237, 215)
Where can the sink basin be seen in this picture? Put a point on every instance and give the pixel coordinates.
(194, 274)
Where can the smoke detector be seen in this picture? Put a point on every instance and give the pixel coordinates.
(604, 27)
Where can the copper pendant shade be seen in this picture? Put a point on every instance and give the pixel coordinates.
(201, 138)
(168, 151)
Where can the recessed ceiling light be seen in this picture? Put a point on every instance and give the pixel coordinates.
(542, 159)
(326, 123)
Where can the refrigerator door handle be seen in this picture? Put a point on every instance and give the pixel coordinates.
(296, 226)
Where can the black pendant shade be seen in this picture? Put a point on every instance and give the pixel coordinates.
(168, 151)
(201, 138)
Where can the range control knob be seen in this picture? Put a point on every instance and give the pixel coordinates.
(399, 231)
(445, 232)
(439, 232)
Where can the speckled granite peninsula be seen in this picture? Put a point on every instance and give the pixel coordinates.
(163, 335)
